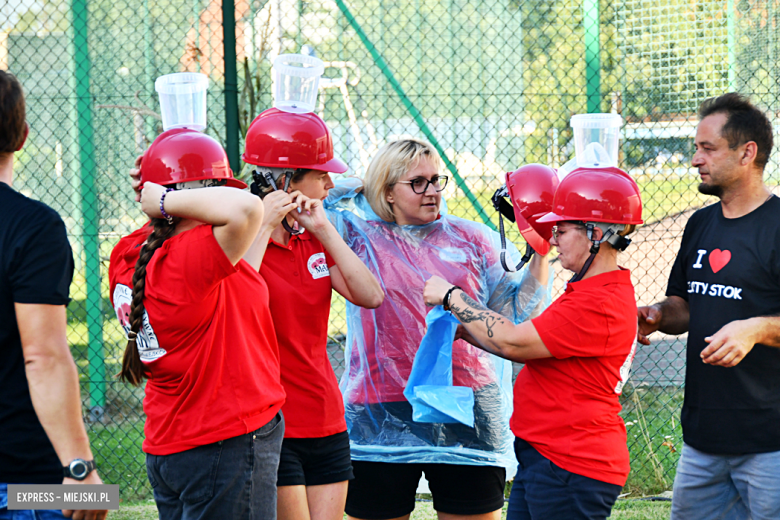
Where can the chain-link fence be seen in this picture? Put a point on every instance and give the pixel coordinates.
(492, 84)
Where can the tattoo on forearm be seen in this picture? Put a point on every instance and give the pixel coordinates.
(471, 302)
(475, 311)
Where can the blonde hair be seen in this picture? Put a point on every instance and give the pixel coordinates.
(630, 228)
(388, 166)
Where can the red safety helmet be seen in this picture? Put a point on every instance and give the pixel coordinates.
(531, 189)
(183, 155)
(607, 195)
(278, 139)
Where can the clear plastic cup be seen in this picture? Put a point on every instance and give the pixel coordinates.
(596, 139)
(296, 80)
(183, 100)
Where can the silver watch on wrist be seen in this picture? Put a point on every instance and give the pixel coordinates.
(78, 469)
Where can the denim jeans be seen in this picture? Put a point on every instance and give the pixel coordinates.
(28, 514)
(544, 491)
(726, 487)
(234, 478)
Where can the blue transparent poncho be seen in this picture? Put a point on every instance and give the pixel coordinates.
(382, 343)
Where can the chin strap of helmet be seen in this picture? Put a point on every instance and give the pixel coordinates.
(505, 209)
(264, 183)
(594, 250)
(609, 235)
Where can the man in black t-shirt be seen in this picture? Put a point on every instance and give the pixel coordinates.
(724, 290)
(42, 435)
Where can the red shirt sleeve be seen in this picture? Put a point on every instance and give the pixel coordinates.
(189, 266)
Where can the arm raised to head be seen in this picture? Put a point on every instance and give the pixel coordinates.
(236, 215)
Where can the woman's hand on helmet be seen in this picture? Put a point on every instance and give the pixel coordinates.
(135, 178)
(150, 199)
(277, 205)
(310, 214)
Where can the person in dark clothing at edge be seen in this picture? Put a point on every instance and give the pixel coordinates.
(42, 434)
(724, 290)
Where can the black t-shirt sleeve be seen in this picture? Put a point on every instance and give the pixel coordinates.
(42, 265)
(678, 282)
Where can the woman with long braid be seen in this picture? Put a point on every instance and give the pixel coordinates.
(200, 330)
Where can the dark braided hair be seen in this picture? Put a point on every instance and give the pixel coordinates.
(133, 370)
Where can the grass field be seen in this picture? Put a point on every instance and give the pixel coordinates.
(623, 510)
(117, 451)
(652, 422)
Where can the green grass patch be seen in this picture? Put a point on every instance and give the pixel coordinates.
(623, 510)
(135, 510)
(117, 451)
(652, 422)
(641, 510)
(665, 195)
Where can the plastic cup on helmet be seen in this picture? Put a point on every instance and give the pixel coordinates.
(183, 100)
(596, 139)
(296, 80)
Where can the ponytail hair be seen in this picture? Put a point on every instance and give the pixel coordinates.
(133, 370)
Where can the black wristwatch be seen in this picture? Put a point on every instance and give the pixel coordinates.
(78, 469)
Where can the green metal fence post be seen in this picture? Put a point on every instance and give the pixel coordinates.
(196, 28)
(89, 207)
(415, 113)
(231, 84)
(590, 22)
(731, 43)
(148, 66)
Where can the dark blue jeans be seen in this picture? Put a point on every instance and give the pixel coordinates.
(234, 478)
(30, 514)
(544, 491)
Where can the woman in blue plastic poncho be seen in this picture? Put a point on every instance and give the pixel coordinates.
(397, 228)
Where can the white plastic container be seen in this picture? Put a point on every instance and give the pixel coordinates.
(296, 80)
(183, 100)
(596, 139)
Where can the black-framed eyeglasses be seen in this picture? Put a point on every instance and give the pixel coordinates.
(420, 184)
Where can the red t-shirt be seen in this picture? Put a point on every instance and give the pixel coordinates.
(567, 406)
(299, 283)
(208, 342)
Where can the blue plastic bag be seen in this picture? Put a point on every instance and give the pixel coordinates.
(429, 389)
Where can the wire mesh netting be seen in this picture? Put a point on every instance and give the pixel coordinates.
(492, 84)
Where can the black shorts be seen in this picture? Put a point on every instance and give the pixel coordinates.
(314, 462)
(383, 490)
